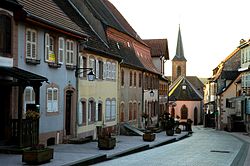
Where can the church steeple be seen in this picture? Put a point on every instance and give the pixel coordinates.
(179, 55)
(179, 61)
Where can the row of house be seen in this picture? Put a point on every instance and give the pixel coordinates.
(226, 94)
(47, 50)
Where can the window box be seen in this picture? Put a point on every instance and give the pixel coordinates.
(32, 61)
(54, 65)
(70, 67)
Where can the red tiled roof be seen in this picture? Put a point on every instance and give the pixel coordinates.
(48, 12)
(158, 47)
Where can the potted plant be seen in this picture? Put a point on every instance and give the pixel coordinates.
(37, 154)
(177, 129)
(148, 136)
(170, 124)
(106, 142)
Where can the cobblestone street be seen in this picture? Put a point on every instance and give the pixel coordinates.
(206, 147)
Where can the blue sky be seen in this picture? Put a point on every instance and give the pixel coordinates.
(211, 29)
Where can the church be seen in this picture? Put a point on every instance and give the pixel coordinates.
(185, 92)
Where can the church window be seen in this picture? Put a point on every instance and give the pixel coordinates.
(178, 71)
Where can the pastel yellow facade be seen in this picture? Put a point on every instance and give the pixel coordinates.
(103, 92)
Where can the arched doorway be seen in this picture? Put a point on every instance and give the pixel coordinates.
(184, 112)
(68, 112)
(195, 116)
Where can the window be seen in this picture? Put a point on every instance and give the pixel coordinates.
(5, 35)
(110, 111)
(100, 64)
(122, 77)
(91, 111)
(113, 66)
(130, 107)
(122, 114)
(99, 110)
(29, 96)
(134, 79)
(92, 64)
(135, 111)
(70, 56)
(82, 113)
(52, 99)
(184, 112)
(49, 48)
(140, 79)
(130, 78)
(31, 44)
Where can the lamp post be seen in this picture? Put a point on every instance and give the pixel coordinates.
(151, 93)
(91, 75)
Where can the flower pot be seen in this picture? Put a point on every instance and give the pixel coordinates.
(148, 137)
(170, 132)
(106, 143)
(37, 156)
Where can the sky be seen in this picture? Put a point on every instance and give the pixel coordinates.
(210, 29)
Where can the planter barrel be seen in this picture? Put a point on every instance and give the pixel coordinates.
(106, 143)
(37, 156)
(178, 130)
(148, 137)
(170, 132)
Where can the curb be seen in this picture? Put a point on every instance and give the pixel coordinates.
(163, 143)
(129, 151)
(240, 158)
(88, 161)
(101, 158)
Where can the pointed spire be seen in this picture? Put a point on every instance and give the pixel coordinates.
(179, 55)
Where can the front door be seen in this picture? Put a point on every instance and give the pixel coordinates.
(195, 116)
(68, 112)
(4, 114)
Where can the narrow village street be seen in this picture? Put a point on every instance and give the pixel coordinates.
(206, 147)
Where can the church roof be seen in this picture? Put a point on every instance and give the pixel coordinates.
(189, 93)
(179, 55)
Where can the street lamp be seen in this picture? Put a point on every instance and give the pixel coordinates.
(91, 75)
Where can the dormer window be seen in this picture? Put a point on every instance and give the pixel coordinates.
(118, 46)
(128, 44)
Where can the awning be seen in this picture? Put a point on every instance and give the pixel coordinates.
(21, 75)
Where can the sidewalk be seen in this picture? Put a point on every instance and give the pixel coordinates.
(88, 153)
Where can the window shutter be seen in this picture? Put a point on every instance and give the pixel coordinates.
(47, 44)
(104, 70)
(114, 71)
(60, 50)
(28, 43)
(49, 100)
(81, 66)
(113, 109)
(97, 69)
(55, 100)
(33, 45)
(79, 117)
